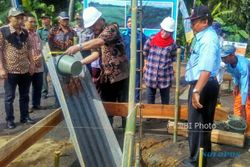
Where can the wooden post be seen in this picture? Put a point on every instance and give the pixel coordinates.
(177, 89)
(201, 157)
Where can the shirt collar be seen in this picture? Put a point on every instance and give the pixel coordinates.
(13, 30)
(199, 35)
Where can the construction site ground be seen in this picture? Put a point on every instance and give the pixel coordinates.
(158, 149)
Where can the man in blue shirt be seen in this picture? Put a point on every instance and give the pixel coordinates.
(238, 67)
(201, 71)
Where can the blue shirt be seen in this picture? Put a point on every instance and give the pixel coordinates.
(205, 55)
(126, 35)
(241, 76)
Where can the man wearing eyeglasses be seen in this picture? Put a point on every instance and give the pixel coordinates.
(201, 70)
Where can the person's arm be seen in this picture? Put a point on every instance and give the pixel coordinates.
(208, 52)
(244, 75)
(3, 73)
(92, 57)
(107, 36)
(91, 44)
(202, 81)
(30, 57)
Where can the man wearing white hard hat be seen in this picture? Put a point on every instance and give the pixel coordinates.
(108, 45)
(159, 52)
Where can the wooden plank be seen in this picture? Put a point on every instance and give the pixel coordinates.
(157, 111)
(23, 141)
(217, 136)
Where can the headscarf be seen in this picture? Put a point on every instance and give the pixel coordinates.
(157, 40)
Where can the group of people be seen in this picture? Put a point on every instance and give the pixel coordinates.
(106, 52)
(22, 63)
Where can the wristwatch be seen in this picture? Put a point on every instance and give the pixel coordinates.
(196, 91)
(80, 46)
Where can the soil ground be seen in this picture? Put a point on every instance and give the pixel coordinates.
(158, 149)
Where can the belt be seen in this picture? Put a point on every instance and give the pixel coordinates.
(209, 79)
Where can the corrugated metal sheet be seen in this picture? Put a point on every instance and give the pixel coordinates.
(93, 137)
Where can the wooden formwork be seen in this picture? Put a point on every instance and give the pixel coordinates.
(13, 148)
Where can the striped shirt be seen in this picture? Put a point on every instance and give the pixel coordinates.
(159, 68)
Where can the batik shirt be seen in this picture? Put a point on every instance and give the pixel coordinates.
(36, 49)
(15, 59)
(114, 61)
(59, 40)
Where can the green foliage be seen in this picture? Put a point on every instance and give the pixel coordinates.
(36, 8)
(78, 7)
(4, 7)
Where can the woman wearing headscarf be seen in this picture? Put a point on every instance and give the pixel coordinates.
(159, 52)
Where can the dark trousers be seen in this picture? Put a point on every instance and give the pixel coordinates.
(115, 92)
(200, 121)
(45, 89)
(37, 85)
(163, 92)
(10, 84)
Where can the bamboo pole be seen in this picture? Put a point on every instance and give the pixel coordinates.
(138, 144)
(201, 157)
(128, 148)
(177, 105)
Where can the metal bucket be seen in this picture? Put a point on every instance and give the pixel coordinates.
(69, 65)
(236, 124)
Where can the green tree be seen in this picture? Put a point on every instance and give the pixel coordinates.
(4, 7)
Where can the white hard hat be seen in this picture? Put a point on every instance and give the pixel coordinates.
(168, 24)
(90, 16)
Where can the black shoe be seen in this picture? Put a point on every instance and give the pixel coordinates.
(38, 108)
(11, 125)
(28, 120)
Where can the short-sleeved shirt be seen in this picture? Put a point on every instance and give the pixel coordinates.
(159, 73)
(59, 40)
(241, 76)
(15, 57)
(114, 61)
(205, 55)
